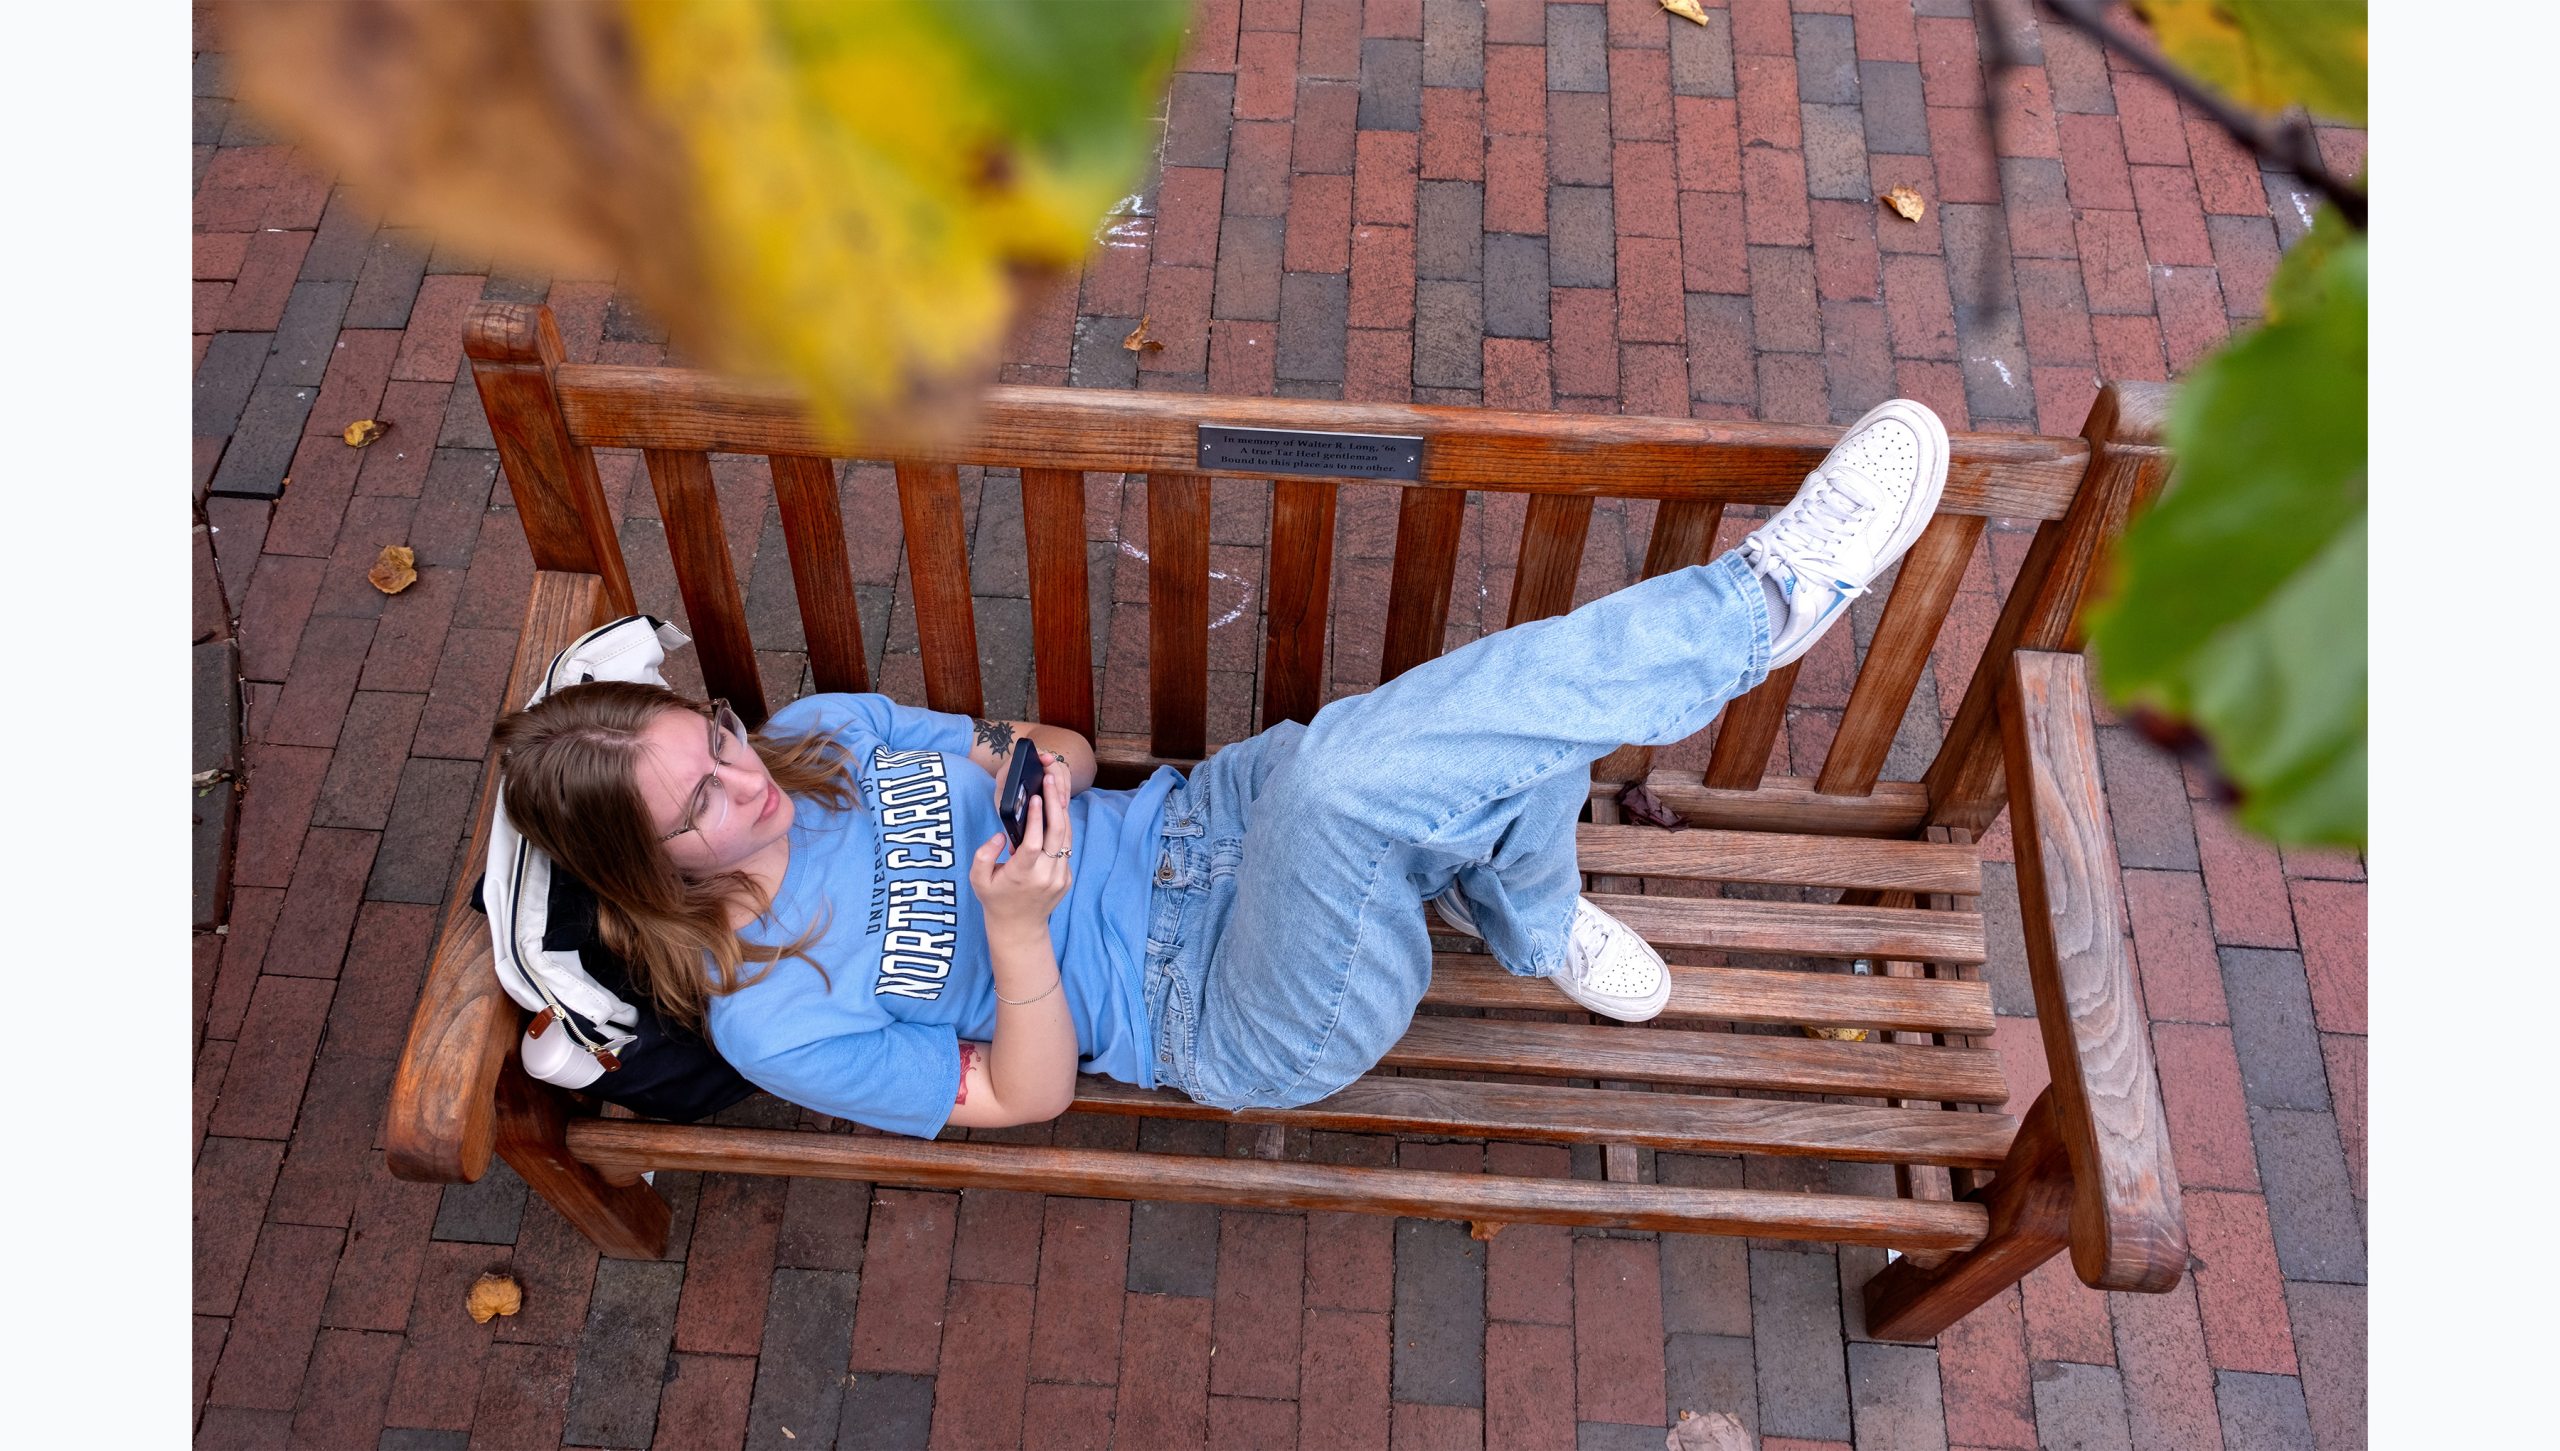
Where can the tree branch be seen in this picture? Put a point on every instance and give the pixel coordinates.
(2286, 142)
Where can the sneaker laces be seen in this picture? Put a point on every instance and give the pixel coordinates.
(1593, 937)
(1810, 531)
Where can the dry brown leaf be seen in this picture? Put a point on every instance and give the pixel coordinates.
(493, 1294)
(1838, 1035)
(1686, 10)
(1138, 342)
(1906, 202)
(362, 432)
(395, 570)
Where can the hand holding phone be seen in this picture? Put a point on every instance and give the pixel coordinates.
(1022, 778)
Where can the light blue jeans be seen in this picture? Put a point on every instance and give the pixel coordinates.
(1287, 946)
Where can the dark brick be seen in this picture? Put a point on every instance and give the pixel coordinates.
(1449, 231)
(1439, 1314)
(1795, 1320)
(2244, 253)
(622, 1355)
(1613, 1436)
(1826, 59)
(624, 322)
(1448, 341)
(2319, 1231)
(2147, 802)
(1859, 365)
(1453, 43)
(1390, 85)
(263, 443)
(2263, 1411)
(1582, 236)
(1889, 99)
(1314, 318)
(2168, 1383)
(1173, 1249)
(1577, 49)
(463, 703)
(1100, 361)
(2329, 1333)
(489, 1210)
(1249, 268)
(1835, 153)
(1785, 314)
(234, 1179)
(278, 1319)
(430, 816)
(325, 1166)
(306, 334)
(893, 1412)
(2272, 1026)
(1702, 59)
(998, 1238)
(1703, 1373)
(1720, 366)
(395, 263)
(1893, 1392)
(1578, 141)
(1515, 287)
(2080, 1406)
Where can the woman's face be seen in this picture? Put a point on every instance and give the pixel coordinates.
(724, 809)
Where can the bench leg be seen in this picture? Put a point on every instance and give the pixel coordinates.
(2030, 1204)
(626, 1220)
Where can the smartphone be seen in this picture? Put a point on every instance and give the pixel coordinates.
(1023, 777)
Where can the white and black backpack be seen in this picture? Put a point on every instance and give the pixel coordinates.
(591, 1031)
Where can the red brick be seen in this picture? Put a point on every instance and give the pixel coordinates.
(1319, 236)
(1894, 232)
(1967, 170)
(438, 1382)
(1516, 21)
(269, 1347)
(325, 1166)
(1941, 387)
(1266, 75)
(1164, 1385)
(1186, 225)
(1377, 365)
(2093, 162)
(2331, 919)
(1640, 95)
(2237, 1288)
(2020, 1045)
(210, 298)
(275, 811)
(1918, 308)
(1712, 254)
(1078, 1418)
(729, 1264)
(1515, 375)
(2208, 1113)
(2065, 1320)
(1384, 186)
(1709, 146)
(1515, 90)
(1529, 1275)
(1241, 358)
(265, 280)
(2168, 1382)
(1178, 316)
(705, 1401)
(1260, 1305)
(2245, 254)
(431, 350)
(297, 202)
(218, 255)
(1950, 61)
(1329, 38)
(1515, 184)
(2112, 262)
(249, 166)
(1585, 345)
(1528, 1384)
(978, 1392)
(2023, 115)
(2129, 348)
(1084, 1248)
(1325, 132)
(2192, 313)
(263, 1087)
(320, 907)
(1342, 1376)
(1654, 379)
(2154, 133)
(1793, 389)
(1761, 27)
(1884, 29)
(1392, 19)
(2341, 150)
(1982, 1377)
(233, 1180)
(1765, 101)
(1452, 147)
(906, 1266)
(2173, 228)
(1356, 1272)
(2173, 947)
(2244, 882)
(1649, 285)
(1578, 138)
(396, 467)
(349, 1377)
(1645, 192)
(352, 388)
(1420, 1427)
(2344, 1056)
(2226, 175)
(1774, 205)
(524, 1396)
(1844, 250)
(1381, 292)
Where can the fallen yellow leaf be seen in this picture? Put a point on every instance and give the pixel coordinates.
(364, 431)
(1907, 202)
(394, 571)
(1838, 1035)
(1686, 10)
(493, 1294)
(1138, 342)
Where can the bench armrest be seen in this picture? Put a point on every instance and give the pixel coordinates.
(2127, 1228)
(441, 1122)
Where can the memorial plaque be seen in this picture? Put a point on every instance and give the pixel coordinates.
(1318, 455)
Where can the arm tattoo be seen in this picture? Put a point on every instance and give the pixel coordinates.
(968, 1060)
(998, 734)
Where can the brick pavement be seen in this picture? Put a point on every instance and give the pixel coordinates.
(1589, 207)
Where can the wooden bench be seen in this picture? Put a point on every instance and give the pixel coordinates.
(1980, 1197)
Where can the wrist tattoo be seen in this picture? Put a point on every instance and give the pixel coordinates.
(998, 734)
(968, 1060)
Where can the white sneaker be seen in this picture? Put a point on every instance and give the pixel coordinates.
(1858, 511)
(1607, 967)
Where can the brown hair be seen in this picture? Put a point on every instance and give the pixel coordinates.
(570, 789)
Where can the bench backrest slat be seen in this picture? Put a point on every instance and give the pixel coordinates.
(689, 505)
(804, 490)
(1749, 731)
(1299, 600)
(1551, 538)
(1178, 613)
(1061, 610)
(938, 573)
(1428, 524)
(1923, 587)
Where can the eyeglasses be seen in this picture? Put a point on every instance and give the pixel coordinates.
(709, 805)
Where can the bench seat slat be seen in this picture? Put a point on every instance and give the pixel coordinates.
(625, 1146)
(1799, 929)
(1777, 859)
(1675, 1121)
(1742, 995)
(1707, 1060)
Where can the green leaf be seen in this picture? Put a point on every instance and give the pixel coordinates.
(2238, 600)
(2269, 54)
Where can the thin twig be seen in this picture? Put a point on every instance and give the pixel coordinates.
(2286, 142)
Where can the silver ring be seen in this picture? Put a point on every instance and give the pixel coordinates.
(1070, 851)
